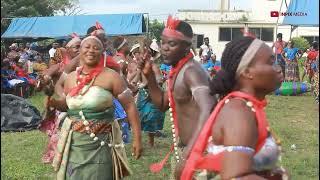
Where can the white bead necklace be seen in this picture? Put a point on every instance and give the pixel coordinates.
(175, 145)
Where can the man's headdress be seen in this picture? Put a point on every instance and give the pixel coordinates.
(171, 30)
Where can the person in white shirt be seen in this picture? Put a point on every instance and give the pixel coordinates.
(205, 49)
(55, 45)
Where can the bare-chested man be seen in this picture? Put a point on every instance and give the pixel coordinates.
(188, 97)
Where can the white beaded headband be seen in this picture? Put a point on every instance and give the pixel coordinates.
(248, 56)
(91, 37)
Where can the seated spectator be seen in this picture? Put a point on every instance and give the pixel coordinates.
(211, 65)
(13, 55)
(23, 75)
(8, 78)
(39, 66)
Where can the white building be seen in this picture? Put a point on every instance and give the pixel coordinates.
(223, 25)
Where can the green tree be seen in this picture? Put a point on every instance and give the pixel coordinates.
(301, 43)
(31, 8)
(155, 29)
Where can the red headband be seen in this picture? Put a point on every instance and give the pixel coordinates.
(99, 30)
(171, 30)
(98, 25)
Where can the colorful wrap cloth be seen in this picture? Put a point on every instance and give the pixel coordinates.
(292, 88)
(120, 115)
(81, 155)
(50, 125)
(152, 118)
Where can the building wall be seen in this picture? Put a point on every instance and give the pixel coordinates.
(208, 22)
(212, 31)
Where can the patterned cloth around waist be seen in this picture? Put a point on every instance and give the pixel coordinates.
(96, 128)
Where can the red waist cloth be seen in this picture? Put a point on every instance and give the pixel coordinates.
(197, 159)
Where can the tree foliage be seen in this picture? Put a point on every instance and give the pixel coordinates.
(31, 8)
(155, 29)
(301, 43)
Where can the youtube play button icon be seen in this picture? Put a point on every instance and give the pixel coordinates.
(274, 14)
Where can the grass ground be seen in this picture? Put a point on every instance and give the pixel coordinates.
(294, 119)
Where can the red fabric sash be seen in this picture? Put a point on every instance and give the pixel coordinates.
(111, 63)
(175, 70)
(197, 159)
(66, 60)
(84, 80)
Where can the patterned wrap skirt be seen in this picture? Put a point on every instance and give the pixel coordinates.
(292, 72)
(151, 117)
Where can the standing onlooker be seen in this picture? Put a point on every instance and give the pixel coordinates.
(23, 54)
(292, 70)
(309, 64)
(64, 43)
(279, 45)
(13, 55)
(205, 49)
(53, 50)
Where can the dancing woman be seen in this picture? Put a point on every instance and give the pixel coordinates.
(152, 118)
(236, 141)
(53, 117)
(90, 145)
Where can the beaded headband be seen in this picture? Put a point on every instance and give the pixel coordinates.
(92, 37)
(248, 56)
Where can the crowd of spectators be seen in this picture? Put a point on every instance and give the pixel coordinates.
(21, 65)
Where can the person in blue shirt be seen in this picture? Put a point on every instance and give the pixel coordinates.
(165, 70)
(292, 54)
(210, 65)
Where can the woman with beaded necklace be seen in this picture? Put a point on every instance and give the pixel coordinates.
(90, 145)
(236, 142)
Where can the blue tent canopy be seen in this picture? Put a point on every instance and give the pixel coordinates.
(63, 26)
(308, 13)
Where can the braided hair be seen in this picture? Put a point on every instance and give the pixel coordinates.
(225, 80)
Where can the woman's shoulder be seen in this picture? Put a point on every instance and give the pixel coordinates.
(236, 110)
(109, 73)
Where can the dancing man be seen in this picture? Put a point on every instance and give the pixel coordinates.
(188, 97)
